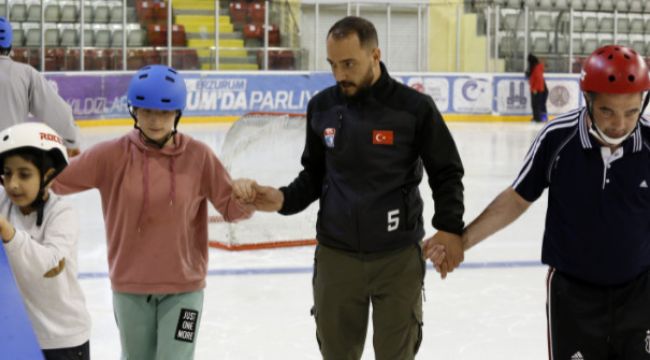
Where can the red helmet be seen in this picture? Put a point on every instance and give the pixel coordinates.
(616, 70)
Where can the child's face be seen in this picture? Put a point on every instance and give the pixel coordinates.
(21, 180)
(156, 124)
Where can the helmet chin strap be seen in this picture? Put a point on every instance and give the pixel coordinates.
(600, 135)
(159, 144)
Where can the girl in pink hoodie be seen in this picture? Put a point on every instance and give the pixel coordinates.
(155, 185)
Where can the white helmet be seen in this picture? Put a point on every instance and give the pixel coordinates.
(33, 135)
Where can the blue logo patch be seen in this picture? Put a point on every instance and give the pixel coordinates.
(329, 135)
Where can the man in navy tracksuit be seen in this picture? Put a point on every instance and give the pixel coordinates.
(595, 162)
(368, 140)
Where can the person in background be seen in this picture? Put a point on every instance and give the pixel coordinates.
(538, 89)
(24, 91)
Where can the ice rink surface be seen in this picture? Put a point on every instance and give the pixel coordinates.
(257, 302)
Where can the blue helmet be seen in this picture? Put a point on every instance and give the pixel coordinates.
(6, 33)
(157, 87)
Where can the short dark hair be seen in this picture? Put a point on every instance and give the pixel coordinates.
(349, 25)
(5, 51)
(40, 159)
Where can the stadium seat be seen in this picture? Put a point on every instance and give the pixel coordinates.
(256, 12)
(69, 37)
(69, 13)
(52, 13)
(590, 5)
(102, 37)
(589, 46)
(606, 25)
(135, 38)
(639, 46)
(541, 45)
(116, 15)
(116, 38)
(636, 26)
(544, 23)
(607, 5)
(101, 13)
(577, 5)
(157, 35)
(19, 38)
(561, 5)
(34, 13)
(622, 6)
(636, 6)
(18, 13)
(590, 24)
(238, 11)
(144, 11)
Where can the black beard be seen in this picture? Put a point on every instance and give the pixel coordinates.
(363, 89)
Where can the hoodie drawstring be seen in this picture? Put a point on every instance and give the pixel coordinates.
(172, 174)
(145, 188)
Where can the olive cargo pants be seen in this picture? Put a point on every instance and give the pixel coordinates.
(345, 284)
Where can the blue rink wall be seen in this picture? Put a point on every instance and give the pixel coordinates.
(99, 98)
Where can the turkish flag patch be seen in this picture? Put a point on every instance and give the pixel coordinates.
(382, 137)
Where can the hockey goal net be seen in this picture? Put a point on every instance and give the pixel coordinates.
(265, 147)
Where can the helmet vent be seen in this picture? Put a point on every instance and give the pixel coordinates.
(5, 138)
(170, 79)
(631, 78)
(612, 78)
(601, 52)
(617, 49)
(2, 31)
(610, 57)
(172, 71)
(143, 76)
(627, 56)
(166, 100)
(140, 97)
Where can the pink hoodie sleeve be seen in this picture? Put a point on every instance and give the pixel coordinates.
(219, 189)
(83, 171)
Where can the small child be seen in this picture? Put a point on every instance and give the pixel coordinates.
(155, 185)
(40, 231)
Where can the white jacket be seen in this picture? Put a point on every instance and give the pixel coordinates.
(55, 305)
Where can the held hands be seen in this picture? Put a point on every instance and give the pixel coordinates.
(72, 152)
(445, 250)
(7, 230)
(263, 198)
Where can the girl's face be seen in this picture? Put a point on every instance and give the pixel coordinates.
(21, 181)
(155, 124)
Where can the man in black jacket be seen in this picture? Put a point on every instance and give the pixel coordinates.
(368, 140)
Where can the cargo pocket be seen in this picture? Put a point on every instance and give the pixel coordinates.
(314, 313)
(417, 316)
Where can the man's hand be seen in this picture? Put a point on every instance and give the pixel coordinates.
(263, 198)
(445, 251)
